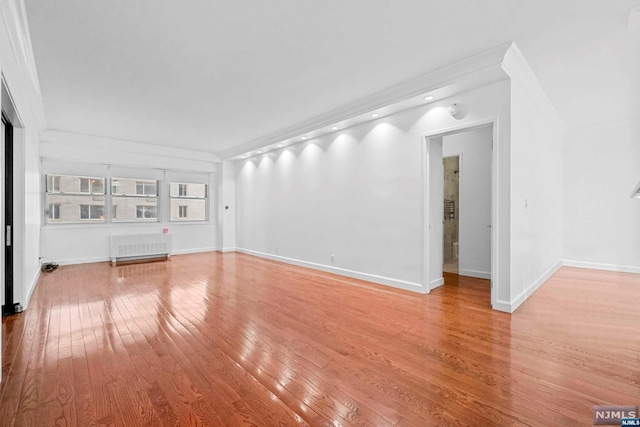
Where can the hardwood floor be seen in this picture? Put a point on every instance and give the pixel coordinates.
(227, 339)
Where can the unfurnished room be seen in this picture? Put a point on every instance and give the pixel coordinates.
(324, 213)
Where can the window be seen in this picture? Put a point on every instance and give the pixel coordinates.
(74, 199)
(188, 201)
(146, 212)
(134, 200)
(147, 188)
(92, 212)
(54, 211)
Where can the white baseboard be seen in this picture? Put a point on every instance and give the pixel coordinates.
(600, 266)
(396, 283)
(74, 261)
(517, 301)
(475, 273)
(436, 283)
(193, 251)
(34, 283)
(502, 306)
(225, 250)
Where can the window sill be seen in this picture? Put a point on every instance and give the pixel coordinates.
(115, 225)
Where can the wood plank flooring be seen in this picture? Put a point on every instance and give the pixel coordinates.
(228, 340)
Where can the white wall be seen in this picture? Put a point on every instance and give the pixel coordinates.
(601, 221)
(81, 154)
(26, 214)
(536, 182)
(436, 208)
(19, 72)
(227, 209)
(474, 238)
(355, 194)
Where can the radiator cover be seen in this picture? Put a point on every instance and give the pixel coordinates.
(140, 246)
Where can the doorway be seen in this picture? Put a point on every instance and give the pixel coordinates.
(460, 205)
(451, 214)
(8, 305)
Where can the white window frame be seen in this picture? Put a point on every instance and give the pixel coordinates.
(55, 192)
(184, 185)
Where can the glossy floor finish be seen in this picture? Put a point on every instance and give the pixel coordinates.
(228, 339)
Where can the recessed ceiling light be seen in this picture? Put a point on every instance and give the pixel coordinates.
(243, 157)
(259, 152)
(375, 115)
(429, 98)
(279, 145)
(335, 128)
(304, 137)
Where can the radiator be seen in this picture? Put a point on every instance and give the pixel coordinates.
(139, 246)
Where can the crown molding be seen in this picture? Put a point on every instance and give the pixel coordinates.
(18, 65)
(476, 71)
(81, 142)
(519, 72)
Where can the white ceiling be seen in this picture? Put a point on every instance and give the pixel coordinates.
(212, 75)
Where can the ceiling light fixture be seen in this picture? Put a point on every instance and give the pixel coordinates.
(304, 137)
(429, 98)
(279, 145)
(259, 152)
(374, 115)
(335, 128)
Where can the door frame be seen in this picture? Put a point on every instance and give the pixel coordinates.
(8, 231)
(427, 196)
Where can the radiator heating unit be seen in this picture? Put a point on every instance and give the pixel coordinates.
(140, 247)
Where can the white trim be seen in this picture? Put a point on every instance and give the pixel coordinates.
(80, 141)
(193, 250)
(226, 250)
(517, 301)
(476, 274)
(476, 71)
(32, 288)
(601, 266)
(501, 305)
(515, 65)
(497, 225)
(396, 283)
(75, 261)
(436, 283)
